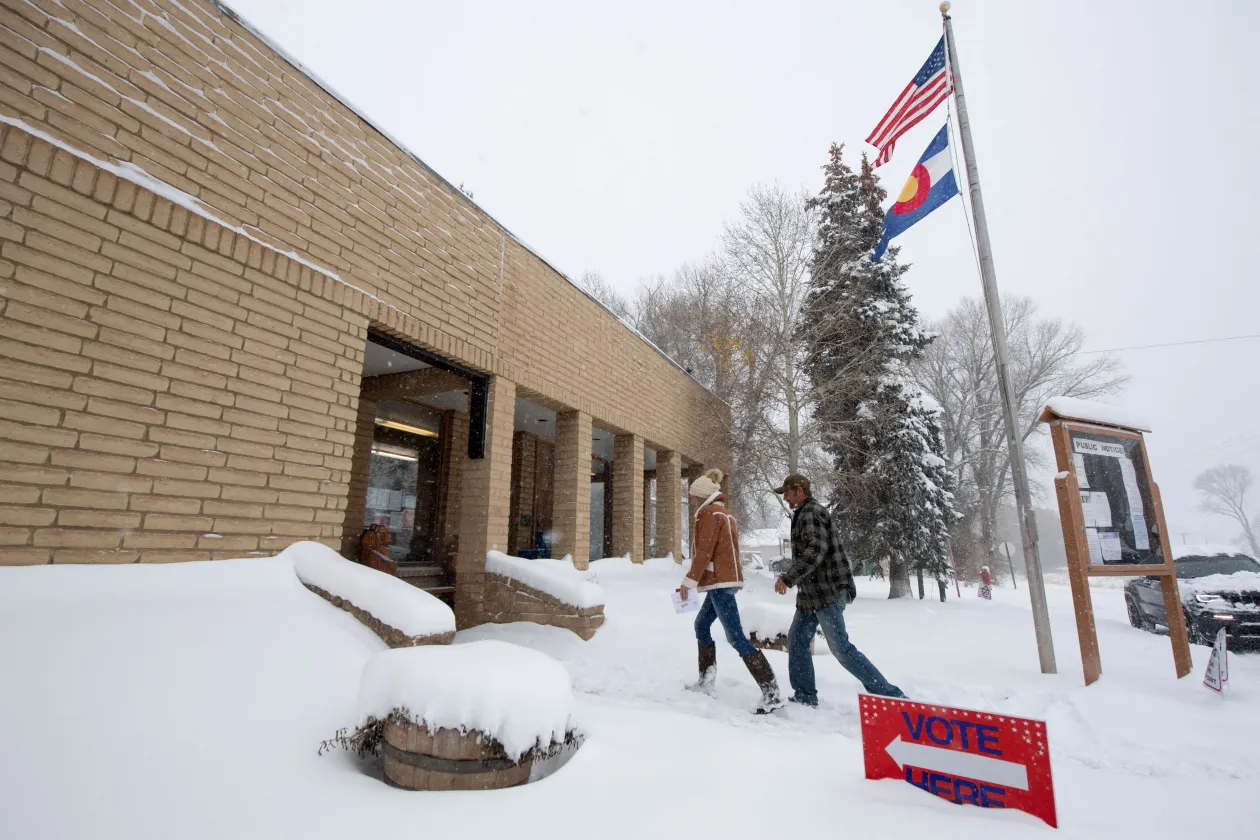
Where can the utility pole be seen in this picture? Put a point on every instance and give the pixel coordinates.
(997, 326)
(1007, 548)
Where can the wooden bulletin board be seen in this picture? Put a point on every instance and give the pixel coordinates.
(1113, 524)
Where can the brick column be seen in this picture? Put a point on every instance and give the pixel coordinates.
(360, 466)
(524, 471)
(669, 504)
(627, 479)
(485, 494)
(572, 505)
(648, 512)
(454, 487)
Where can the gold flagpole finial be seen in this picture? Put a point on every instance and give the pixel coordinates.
(945, 7)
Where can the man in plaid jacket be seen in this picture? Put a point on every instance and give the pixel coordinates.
(824, 586)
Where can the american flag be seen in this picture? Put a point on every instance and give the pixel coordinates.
(929, 88)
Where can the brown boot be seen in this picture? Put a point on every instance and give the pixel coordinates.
(761, 671)
(708, 670)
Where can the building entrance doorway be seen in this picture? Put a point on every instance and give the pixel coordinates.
(405, 479)
(412, 439)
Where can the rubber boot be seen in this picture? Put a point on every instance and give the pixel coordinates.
(761, 671)
(708, 670)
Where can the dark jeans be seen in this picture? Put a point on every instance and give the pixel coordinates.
(719, 605)
(801, 662)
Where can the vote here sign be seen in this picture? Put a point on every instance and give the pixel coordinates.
(968, 757)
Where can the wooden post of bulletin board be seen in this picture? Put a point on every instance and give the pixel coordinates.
(1113, 520)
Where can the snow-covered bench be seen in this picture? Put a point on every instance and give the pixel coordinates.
(478, 716)
(398, 612)
(543, 592)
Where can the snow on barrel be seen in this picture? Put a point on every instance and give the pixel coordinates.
(767, 625)
(467, 717)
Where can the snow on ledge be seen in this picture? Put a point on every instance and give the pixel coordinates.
(392, 601)
(1070, 408)
(518, 696)
(556, 578)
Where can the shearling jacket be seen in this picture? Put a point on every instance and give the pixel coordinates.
(715, 549)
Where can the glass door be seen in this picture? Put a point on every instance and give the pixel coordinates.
(404, 479)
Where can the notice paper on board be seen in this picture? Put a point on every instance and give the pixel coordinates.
(1137, 512)
(1096, 509)
(1141, 539)
(1095, 547)
(1109, 546)
(1082, 480)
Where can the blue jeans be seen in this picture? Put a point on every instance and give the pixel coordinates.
(719, 605)
(801, 662)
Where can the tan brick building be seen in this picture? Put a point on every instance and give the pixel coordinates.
(233, 314)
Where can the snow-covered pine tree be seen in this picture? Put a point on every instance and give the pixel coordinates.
(861, 332)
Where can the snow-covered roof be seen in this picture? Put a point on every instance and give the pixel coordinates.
(1204, 550)
(1070, 408)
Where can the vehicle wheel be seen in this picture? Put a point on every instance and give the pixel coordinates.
(1196, 634)
(1136, 618)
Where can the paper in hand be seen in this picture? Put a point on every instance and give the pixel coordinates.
(690, 605)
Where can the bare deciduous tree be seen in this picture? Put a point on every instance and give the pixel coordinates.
(959, 372)
(1224, 490)
(705, 319)
(597, 287)
(768, 249)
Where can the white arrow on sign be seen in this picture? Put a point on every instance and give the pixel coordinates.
(955, 763)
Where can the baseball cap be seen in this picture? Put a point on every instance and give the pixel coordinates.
(793, 480)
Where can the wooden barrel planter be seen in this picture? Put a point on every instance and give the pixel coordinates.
(447, 759)
(780, 642)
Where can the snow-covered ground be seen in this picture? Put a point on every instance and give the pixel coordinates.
(189, 701)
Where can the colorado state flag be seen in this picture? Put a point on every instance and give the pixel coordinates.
(931, 184)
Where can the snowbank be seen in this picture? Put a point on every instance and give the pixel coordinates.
(109, 664)
(520, 697)
(388, 599)
(557, 578)
(614, 566)
(1071, 408)
(1204, 550)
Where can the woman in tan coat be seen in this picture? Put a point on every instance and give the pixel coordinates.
(716, 571)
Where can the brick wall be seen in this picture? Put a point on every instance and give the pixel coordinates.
(200, 103)
(164, 377)
(169, 389)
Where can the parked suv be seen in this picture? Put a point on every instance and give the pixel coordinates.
(1218, 588)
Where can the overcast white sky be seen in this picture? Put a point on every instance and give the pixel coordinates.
(1116, 143)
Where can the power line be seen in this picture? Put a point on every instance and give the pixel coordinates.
(1234, 441)
(1169, 344)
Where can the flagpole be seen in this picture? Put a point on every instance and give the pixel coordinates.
(997, 327)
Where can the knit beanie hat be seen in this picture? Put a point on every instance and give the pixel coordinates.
(708, 485)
